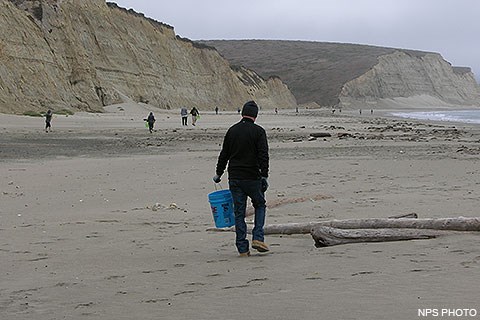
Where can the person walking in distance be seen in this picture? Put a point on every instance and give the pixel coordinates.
(48, 121)
(184, 114)
(245, 149)
(151, 121)
(195, 114)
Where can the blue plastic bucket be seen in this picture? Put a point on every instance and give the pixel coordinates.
(221, 203)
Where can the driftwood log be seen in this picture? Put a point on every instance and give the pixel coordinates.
(453, 224)
(327, 236)
(396, 228)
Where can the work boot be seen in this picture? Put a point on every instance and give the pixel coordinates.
(260, 246)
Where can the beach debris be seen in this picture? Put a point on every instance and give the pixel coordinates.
(343, 135)
(335, 128)
(320, 134)
(467, 150)
(403, 227)
(156, 206)
(335, 232)
(327, 236)
(450, 224)
(412, 215)
(172, 206)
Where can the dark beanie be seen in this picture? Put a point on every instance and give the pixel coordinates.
(250, 109)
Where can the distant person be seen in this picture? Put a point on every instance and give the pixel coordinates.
(216, 110)
(296, 109)
(360, 110)
(48, 121)
(150, 121)
(238, 110)
(184, 114)
(371, 111)
(195, 115)
(276, 110)
(245, 149)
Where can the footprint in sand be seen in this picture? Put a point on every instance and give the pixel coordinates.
(261, 280)
(154, 271)
(184, 292)
(42, 256)
(114, 277)
(363, 273)
(84, 305)
(156, 300)
(93, 235)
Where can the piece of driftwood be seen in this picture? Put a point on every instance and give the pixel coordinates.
(320, 134)
(454, 224)
(327, 236)
(406, 215)
(284, 201)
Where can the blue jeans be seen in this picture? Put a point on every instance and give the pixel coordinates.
(241, 189)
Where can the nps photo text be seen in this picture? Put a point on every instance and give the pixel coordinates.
(450, 312)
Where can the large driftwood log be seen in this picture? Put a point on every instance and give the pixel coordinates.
(327, 236)
(455, 224)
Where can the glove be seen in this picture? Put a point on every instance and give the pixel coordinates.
(216, 178)
(264, 184)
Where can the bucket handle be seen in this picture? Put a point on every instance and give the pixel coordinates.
(215, 185)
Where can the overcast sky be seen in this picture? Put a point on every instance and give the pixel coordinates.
(449, 27)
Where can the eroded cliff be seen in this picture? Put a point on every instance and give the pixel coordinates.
(82, 55)
(352, 75)
(407, 75)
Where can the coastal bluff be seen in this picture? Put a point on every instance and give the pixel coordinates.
(83, 55)
(356, 76)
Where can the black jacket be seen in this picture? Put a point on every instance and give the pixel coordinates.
(151, 119)
(245, 148)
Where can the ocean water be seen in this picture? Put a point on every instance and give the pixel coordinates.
(464, 116)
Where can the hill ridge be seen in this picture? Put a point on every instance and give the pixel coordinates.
(320, 71)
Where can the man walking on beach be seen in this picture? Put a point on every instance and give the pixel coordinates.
(151, 121)
(245, 149)
(48, 121)
(184, 114)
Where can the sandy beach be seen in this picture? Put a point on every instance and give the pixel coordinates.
(100, 219)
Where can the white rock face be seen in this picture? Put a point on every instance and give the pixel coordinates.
(428, 78)
(82, 55)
